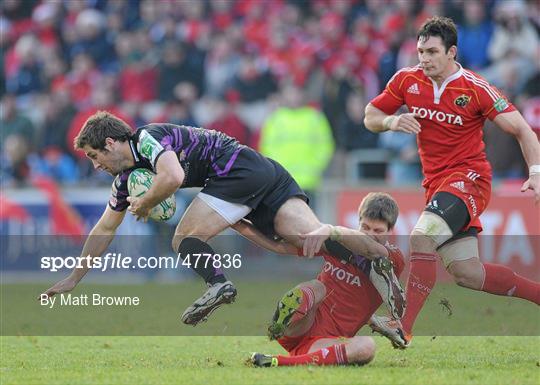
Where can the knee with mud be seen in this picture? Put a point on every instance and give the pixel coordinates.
(430, 232)
(421, 243)
(443, 217)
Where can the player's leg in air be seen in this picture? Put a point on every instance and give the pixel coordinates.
(206, 217)
(358, 350)
(295, 311)
(442, 229)
(295, 218)
(488, 277)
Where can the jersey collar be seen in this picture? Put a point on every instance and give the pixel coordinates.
(134, 151)
(437, 92)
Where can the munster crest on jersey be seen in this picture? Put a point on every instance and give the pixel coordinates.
(462, 100)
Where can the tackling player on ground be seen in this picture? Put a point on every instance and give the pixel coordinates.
(237, 182)
(448, 106)
(317, 321)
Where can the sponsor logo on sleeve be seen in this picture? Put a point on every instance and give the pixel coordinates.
(149, 147)
(500, 105)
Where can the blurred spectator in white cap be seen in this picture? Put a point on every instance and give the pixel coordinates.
(513, 48)
(45, 17)
(221, 64)
(91, 38)
(24, 67)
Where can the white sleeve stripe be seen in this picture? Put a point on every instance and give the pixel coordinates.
(489, 91)
(483, 84)
(476, 77)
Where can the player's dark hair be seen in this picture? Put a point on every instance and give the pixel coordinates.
(379, 206)
(100, 126)
(443, 27)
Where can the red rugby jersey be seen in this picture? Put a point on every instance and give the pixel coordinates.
(452, 117)
(350, 299)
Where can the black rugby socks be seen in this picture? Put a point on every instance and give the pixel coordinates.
(200, 258)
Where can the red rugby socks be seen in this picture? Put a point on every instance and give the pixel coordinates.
(419, 284)
(501, 280)
(332, 355)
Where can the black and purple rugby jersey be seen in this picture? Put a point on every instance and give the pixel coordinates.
(202, 153)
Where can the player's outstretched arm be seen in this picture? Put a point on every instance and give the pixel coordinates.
(359, 243)
(248, 231)
(354, 240)
(514, 123)
(169, 177)
(97, 242)
(377, 121)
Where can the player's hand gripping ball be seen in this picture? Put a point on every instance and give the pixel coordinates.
(139, 182)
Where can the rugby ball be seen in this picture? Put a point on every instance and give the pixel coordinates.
(139, 182)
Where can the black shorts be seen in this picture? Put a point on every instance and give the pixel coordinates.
(259, 183)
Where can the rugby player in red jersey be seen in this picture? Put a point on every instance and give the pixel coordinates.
(448, 106)
(317, 321)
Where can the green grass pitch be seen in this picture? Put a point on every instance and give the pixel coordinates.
(206, 360)
(180, 357)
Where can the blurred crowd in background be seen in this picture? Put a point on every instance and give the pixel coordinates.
(288, 77)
